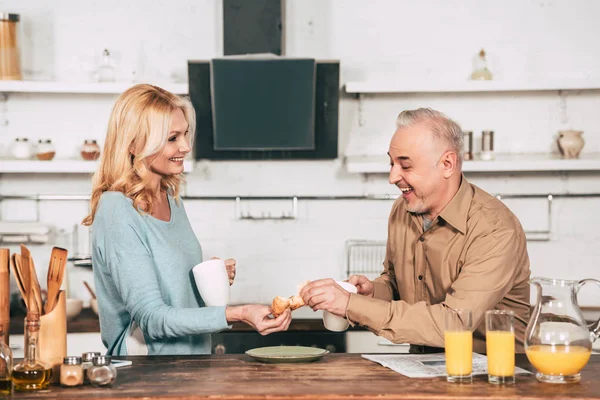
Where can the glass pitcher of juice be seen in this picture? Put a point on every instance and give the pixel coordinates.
(558, 342)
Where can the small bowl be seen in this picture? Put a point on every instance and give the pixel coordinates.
(94, 305)
(74, 307)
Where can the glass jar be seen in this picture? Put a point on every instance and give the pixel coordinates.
(102, 372)
(480, 67)
(86, 362)
(487, 145)
(467, 145)
(90, 150)
(21, 149)
(10, 67)
(106, 69)
(45, 150)
(6, 366)
(71, 372)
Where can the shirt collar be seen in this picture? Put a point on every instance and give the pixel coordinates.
(457, 210)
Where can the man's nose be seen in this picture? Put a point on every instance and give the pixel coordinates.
(395, 175)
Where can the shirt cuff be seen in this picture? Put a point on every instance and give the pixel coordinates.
(222, 322)
(367, 311)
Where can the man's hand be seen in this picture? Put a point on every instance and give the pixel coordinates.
(230, 266)
(363, 285)
(326, 294)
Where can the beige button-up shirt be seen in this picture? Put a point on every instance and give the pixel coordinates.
(473, 256)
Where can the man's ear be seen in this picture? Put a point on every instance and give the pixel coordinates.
(449, 163)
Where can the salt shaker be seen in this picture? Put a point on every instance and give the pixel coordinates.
(487, 145)
(71, 372)
(102, 372)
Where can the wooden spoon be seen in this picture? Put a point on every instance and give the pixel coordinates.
(34, 286)
(15, 265)
(56, 273)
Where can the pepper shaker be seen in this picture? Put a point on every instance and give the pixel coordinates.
(86, 359)
(102, 372)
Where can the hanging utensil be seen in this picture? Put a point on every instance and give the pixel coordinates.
(56, 272)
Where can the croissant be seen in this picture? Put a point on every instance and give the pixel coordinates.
(280, 304)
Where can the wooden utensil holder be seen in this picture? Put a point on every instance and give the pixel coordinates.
(53, 336)
(4, 294)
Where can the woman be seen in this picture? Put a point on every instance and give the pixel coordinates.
(143, 245)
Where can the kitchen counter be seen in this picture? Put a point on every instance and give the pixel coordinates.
(335, 376)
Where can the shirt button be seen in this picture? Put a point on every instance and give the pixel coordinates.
(422, 239)
(420, 277)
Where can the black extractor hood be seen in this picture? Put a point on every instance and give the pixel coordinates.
(265, 107)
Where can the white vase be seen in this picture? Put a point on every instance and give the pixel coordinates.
(570, 143)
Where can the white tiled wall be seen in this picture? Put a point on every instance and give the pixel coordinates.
(400, 40)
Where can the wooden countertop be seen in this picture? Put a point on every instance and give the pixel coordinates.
(335, 376)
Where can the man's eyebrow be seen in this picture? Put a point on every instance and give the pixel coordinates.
(401, 158)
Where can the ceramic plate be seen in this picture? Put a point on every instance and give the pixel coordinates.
(286, 354)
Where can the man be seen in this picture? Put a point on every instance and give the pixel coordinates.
(450, 245)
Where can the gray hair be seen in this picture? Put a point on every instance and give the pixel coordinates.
(442, 127)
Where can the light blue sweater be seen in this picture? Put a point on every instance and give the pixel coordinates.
(147, 297)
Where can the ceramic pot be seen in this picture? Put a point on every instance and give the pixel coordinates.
(570, 143)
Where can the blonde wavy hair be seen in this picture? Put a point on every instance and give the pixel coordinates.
(139, 124)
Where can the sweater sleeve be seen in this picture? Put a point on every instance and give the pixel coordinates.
(131, 267)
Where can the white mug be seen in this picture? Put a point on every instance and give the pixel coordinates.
(332, 321)
(212, 282)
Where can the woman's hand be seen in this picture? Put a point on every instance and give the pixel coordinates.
(230, 266)
(257, 316)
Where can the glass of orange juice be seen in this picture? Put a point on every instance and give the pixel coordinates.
(458, 341)
(500, 346)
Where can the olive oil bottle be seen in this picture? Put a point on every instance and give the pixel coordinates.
(6, 366)
(31, 373)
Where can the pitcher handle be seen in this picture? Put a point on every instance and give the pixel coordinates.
(594, 327)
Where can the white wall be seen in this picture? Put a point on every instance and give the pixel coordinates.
(399, 40)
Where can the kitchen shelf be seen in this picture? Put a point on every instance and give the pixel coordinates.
(58, 166)
(502, 163)
(80, 88)
(380, 86)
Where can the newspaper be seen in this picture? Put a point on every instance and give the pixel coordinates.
(427, 365)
